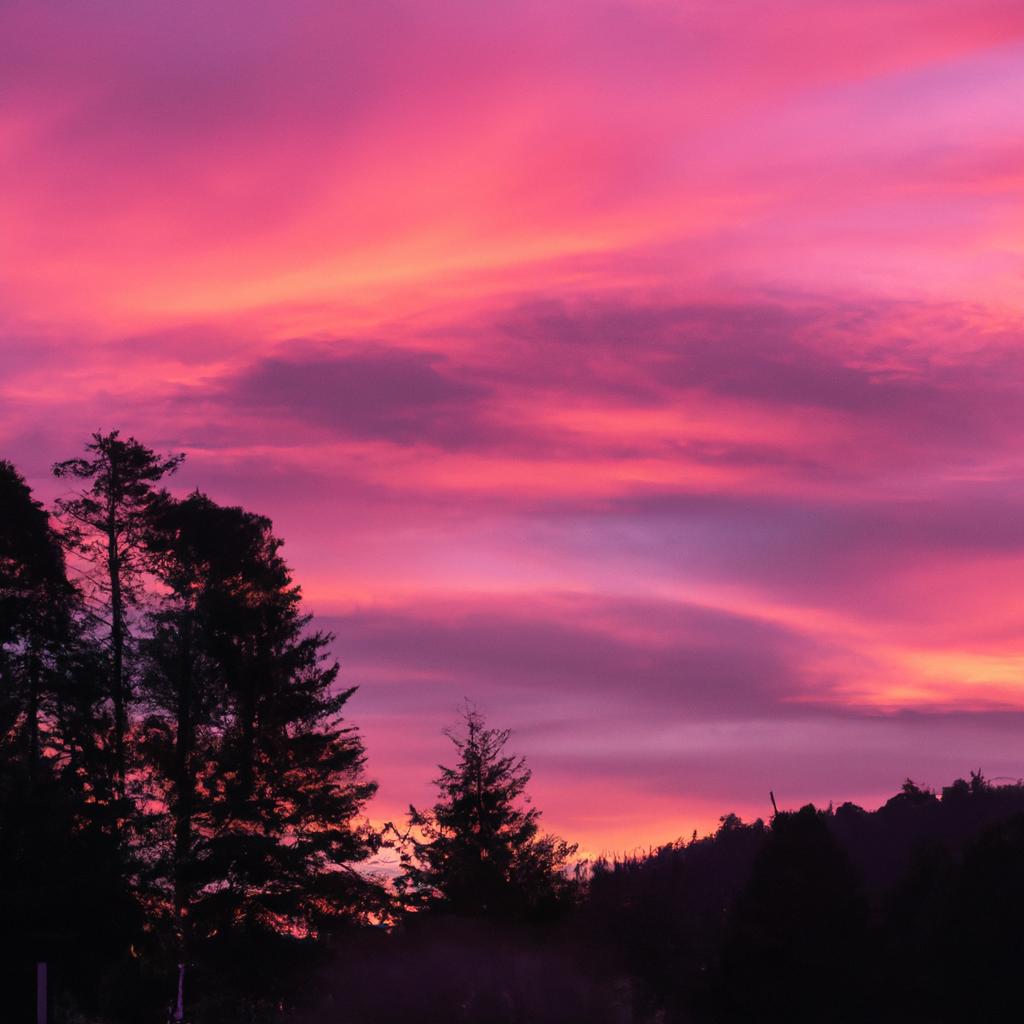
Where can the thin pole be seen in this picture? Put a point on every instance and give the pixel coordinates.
(179, 1010)
(41, 992)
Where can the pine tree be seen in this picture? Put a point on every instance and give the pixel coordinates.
(35, 602)
(263, 779)
(106, 524)
(188, 553)
(50, 685)
(480, 851)
(51, 828)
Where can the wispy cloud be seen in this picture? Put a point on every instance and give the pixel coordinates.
(650, 372)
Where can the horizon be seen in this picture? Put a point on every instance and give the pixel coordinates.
(649, 374)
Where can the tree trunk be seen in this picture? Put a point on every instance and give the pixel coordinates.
(34, 683)
(184, 783)
(116, 645)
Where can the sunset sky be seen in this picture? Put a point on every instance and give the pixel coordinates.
(650, 373)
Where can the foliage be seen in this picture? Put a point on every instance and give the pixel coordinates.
(480, 850)
(106, 522)
(263, 778)
(177, 780)
(52, 832)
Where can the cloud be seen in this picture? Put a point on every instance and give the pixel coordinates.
(684, 415)
(389, 394)
(174, 163)
(912, 375)
(599, 652)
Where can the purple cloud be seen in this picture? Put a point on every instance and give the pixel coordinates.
(613, 652)
(375, 393)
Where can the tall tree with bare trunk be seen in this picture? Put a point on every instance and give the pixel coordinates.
(105, 524)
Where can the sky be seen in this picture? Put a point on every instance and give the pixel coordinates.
(648, 373)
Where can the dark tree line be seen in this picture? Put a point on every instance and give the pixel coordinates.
(181, 797)
(182, 800)
(178, 783)
(911, 914)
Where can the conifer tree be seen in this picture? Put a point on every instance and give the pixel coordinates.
(184, 694)
(51, 835)
(480, 851)
(106, 524)
(263, 778)
(35, 601)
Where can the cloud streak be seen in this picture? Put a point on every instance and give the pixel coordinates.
(649, 372)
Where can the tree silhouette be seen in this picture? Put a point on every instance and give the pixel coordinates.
(980, 942)
(662, 918)
(797, 946)
(184, 692)
(35, 603)
(264, 779)
(481, 851)
(51, 826)
(106, 526)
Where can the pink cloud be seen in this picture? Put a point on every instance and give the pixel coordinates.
(630, 357)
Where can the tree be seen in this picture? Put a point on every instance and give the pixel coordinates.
(35, 599)
(797, 948)
(51, 835)
(50, 689)
(106, 526)
(481, 851)
(263, 778)
(184, 693)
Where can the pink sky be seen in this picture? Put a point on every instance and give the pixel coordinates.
(649, 372)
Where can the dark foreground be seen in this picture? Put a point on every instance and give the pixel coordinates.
(909, 913)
